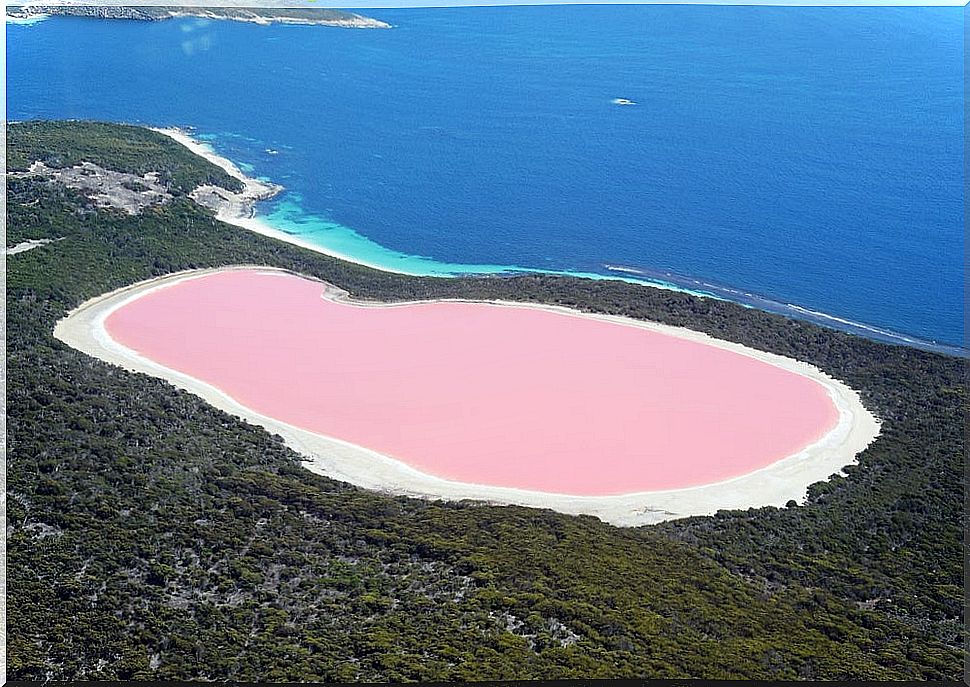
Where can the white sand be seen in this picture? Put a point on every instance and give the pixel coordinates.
(239, 211)
(774, 485)
(355, 21)
(255, 190)
(25, 246)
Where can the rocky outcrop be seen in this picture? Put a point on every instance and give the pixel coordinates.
(315, 16)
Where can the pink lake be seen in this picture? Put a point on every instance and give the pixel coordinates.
(478, 393)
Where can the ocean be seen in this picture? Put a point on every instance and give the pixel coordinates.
(803, 160)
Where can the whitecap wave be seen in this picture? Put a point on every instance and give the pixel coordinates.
(621, 268)
(855, 325)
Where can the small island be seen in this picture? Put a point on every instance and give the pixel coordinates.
(257, 15)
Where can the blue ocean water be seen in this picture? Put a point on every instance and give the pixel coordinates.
(806, 160)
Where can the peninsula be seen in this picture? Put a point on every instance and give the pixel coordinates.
(257, 15)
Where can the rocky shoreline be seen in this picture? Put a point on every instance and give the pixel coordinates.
(229, 206)
(309, 16)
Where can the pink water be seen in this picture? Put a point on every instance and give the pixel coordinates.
(504, 396)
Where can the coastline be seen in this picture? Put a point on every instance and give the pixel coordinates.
(26, 14)
(243, 215)
(787, 479)
(28, 20)
(355, 21)
(240, 212)
(253, 191)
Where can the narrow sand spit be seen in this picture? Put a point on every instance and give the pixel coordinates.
(788, 478)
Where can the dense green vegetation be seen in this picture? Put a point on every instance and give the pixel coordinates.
(151, 536)
(130, 149)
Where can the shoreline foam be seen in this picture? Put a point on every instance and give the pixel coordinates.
(775, 484)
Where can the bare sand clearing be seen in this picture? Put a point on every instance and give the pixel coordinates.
(107, 188)
(630, 421)
(30, 244)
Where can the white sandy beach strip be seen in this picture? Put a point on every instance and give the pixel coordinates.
(254, 190)
(239, 210)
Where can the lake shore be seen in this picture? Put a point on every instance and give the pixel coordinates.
(776, 484)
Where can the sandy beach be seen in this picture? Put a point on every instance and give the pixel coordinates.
(354, 21)
(852, 430)
(239, 211)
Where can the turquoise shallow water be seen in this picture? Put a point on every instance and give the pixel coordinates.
(803, 160)
(288, 215)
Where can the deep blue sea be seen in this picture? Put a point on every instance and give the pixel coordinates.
(806, 157)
